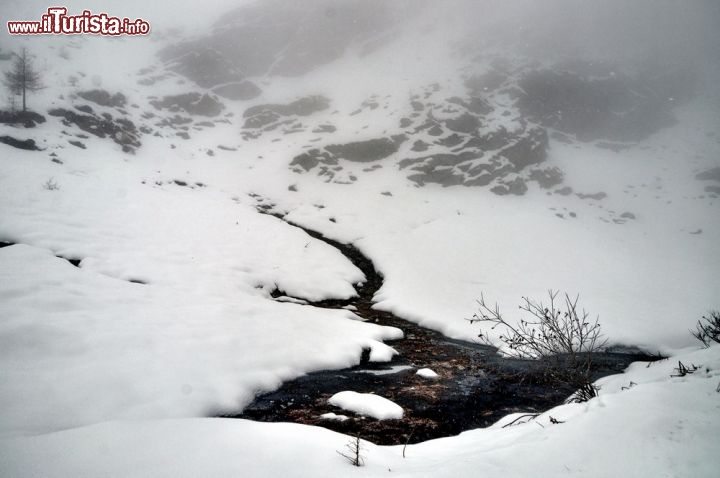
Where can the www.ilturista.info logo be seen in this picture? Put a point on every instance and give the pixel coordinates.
(58, 22)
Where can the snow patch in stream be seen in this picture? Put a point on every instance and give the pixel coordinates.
(367, 404)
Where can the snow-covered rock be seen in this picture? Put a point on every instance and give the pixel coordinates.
(427, 373)
(334, 416)
(367, 404)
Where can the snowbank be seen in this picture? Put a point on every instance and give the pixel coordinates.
(645, 423)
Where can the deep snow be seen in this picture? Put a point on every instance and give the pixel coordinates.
(100, 375)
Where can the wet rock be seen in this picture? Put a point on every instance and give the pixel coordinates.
(26, 144)
(122, 131)
(193, 103)
(486, 82)
(325, 128)
(615, 147)
(516, 187)
(450, 141)
(442, 176)
(260, 116)
(596, 196)
(465, 123)
(712, 174)
(359, 151)
(436, 130)
(104, 98)
(547, 178)
(202, 64)
(474, 105)
(614, 107)
(310, 159)
(420, 146)
(528, 149)
(304, 106)
(244, 90)
(26, 118)
(366, 151)
(712, 190)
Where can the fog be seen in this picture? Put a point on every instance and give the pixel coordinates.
(618, 69)
(667, 31)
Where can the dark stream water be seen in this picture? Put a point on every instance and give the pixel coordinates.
(475, 387)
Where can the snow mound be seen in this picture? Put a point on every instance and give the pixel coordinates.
(367, 404)
(427, 373)
(334, 416)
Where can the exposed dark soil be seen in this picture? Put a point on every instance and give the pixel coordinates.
(475, 387)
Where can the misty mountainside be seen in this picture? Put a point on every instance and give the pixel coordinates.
(489, 127)
(355, 86)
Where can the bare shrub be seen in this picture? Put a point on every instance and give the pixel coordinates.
(51, 185)
(707, 330)
(683, 369)
(558, 334)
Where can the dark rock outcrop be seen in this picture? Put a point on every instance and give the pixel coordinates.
(193, 103)
(205, 65)
(516, 187)
(104, 98)
(614, 107)
(121, 130)
(712, 174)
(26, 118)
(260, 116)
(366, 151)
(26, 144)
(277, 38)
(358, 151)
(244, 90)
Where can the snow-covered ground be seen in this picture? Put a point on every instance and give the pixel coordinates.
(110, 367)
(645, 424)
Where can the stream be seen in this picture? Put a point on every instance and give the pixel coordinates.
(475, 386)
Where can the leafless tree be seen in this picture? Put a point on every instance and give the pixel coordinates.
(22, 77)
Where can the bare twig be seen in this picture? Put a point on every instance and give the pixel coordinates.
(683, 369)
(408, 440)
(529, 416)
(709, 330)
(353, 454)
